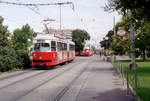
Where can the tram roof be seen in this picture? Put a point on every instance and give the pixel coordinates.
(45, 36)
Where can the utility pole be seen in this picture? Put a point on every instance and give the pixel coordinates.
(36, 5)
(60, 16)
(133, 64)
(60, 11)
(132, 49)
(114, 24)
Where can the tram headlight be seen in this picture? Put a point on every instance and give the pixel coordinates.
(34, 55)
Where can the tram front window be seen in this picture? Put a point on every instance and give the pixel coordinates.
(86, 50)
(41, 47)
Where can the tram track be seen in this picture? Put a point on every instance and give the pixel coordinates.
(42, 83)
(22, 80)
(14, 75)
(63, 91)
(39, 85)
(13, 83)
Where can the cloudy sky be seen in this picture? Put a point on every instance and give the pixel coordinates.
(87, 14)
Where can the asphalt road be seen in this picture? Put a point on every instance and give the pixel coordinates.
(84, 79)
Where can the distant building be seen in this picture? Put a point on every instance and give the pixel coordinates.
(67, 32)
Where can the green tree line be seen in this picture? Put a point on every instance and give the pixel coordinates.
(141, 21)
(14, 47)
(79, 36)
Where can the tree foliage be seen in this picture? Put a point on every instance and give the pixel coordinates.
(107, 42)
(140, 8)
(13, 50)
(22, 38)
(142, 37)
(4, 34)
(119, 45)
(79, 36)
(8, 57)
(140, 18)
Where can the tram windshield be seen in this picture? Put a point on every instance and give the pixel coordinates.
(86, 50)
(42, 47)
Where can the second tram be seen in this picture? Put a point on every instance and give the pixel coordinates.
(87, 51)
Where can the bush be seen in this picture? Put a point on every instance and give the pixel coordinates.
(8, 59)
(23, 58)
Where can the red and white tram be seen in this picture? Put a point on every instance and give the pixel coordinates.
(87, 51)
(52, 49)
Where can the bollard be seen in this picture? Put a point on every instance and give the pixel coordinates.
(127, 71)
(122, 70)
(135, 82)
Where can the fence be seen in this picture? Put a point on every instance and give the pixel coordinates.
(129, 78)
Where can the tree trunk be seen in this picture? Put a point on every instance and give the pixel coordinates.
(144, 55)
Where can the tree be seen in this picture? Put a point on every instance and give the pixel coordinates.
(79, 36)
(140, 8)
(109, 35)
(22, 38)
(8, 57)
(4, 34)
(141, 19)
(142, 43)
(118, 45)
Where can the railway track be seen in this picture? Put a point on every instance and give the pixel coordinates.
(63, 91)
(40, 84)
(13, 83)
(14, 75)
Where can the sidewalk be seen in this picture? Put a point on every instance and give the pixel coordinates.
(104, 84)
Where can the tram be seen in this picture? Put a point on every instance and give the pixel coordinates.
(51, 49)
(87, 51)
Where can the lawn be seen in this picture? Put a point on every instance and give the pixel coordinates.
(143, 74)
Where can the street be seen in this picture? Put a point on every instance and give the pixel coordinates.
(84, 79)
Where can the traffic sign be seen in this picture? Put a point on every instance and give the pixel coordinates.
(121, 32)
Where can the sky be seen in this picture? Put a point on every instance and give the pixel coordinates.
(87, 14)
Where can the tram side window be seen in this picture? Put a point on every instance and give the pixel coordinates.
(71, 47)
(37, 47)
(65, 47)
(53, 46)
(59, 46)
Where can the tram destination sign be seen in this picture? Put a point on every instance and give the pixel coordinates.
(58, 35)
(121, 32)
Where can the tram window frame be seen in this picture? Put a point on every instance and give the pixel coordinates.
(59, 46)
(71, 47)
(37, 47)
(53, 46)
(42, 47)
(65, 46)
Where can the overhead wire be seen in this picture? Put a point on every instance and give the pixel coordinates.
(79, 17)
(32, 4)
